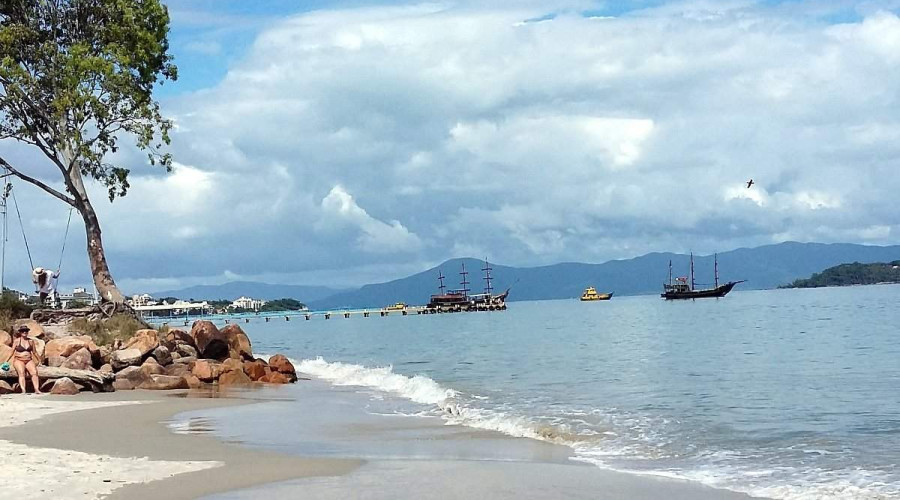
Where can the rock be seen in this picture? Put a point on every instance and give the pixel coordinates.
(125, 357)
(5, 388)
(186, 360)
(162, 355)
(178, 369)
(181, 337)
(175, 356)
(133, 374)
(55, 361)
(5, 338)
(206, 370)
(236, 377)
(164, 383)
(192, 381)
(281, 364)
(65, 386)
(6, 353)
(276, 378)
(232, 365)
(151, 367)
(105, 353)
(255, 369)
(186, 350)
(79, 360)
(143, 340)
(66, 346)
(35, 330)
(106, 368)
(123, 385)
(211, 344)
(238, 342)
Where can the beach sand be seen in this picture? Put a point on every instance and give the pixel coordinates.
(126, 438)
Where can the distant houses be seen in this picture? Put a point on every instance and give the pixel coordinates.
(247, 304)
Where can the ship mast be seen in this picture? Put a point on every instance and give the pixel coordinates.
(692, 271)
(716, 267)
(488, 289)
(465, 281)
(670, 272)
(442, 287)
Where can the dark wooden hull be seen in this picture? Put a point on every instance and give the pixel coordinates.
(721, 291)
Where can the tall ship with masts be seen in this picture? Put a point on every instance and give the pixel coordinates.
(679, 288)
(460, 300)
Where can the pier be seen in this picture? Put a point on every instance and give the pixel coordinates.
(176, 320)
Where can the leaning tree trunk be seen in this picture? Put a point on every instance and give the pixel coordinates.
(103, 280)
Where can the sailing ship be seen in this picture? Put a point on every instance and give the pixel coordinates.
(461, 300)
(679, 288)
(590, 294)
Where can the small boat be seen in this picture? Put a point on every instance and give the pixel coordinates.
(680, 289)
(399, 306)
(590, 294)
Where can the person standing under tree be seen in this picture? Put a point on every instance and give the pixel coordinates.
(44, 282)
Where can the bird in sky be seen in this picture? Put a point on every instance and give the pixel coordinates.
(749, 183)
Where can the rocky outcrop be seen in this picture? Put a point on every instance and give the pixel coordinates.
(211, 344)
(5, 388)
(187, 351)
(67, 346)
(79, 360)
(206, 370)
(276, 378)
(164, 383)
(180, 337)
(256, 369)
(238, 343)
(234, 377)
(144, 340)
(162, 355)
(151, 367)
(5, 338)
(279, 363)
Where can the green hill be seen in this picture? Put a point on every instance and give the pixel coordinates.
(852, 274)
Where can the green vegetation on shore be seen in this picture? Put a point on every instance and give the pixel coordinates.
(851, 274)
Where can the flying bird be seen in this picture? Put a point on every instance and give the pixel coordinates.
(749, 183)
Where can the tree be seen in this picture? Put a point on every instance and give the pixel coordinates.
(75, 77)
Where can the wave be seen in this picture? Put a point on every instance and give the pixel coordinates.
(599, 448)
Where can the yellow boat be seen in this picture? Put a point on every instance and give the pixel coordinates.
(590, 294)
(399, 306)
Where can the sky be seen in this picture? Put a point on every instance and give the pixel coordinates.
(341, 143)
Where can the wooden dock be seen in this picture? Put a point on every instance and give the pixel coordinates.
(187, 320)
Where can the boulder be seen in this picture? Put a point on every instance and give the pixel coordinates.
(143, 340)
(211, 344)
(164, 383)
(236, 377)
(276, 378)
(232, 365)
(106, 368)
(54, 361)
(6, 353)
(186, 350)
(124, 385)
(238, 342)
(47, 385)
(206, 370)
(65, 386)
(133, 374)
(255, 369)
(192, 381)
(180, 337)
(35, 330)
(186, 360)
(151, 367)
(66, 346)
(5, 388)
(174, 355)
(125, 357)
(79, 360)
(105, 354)
(178, 369)
(281, 364)
(162, 355)
(5, 338)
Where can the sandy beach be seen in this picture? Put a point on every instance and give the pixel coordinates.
(123, 445)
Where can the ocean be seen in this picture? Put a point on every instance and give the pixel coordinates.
(789, 394)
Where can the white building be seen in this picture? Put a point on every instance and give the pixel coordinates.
(142, 300)
(80, 295)
(248, 303)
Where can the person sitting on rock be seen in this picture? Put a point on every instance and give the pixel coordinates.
(44, 282)
(24, 353)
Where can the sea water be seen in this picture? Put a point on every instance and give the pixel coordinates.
(782, 393)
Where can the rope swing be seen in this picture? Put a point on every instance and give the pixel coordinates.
(25, 237)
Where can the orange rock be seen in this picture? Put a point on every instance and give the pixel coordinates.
(211, 344)
(238, 342)
(255, 369)
(276, 378)
(65, 386)
(232, 365)
(67, 346)
(151, 367)
(282, 365)
(206, 370)
(5, 338)
(164, 383)
(192, 381)
(79, 360)
(143, 340)
(180, 337)
(234, 378)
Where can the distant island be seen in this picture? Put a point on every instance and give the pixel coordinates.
(851, 274)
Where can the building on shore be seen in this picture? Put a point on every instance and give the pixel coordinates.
(248, 304)
(79, 296)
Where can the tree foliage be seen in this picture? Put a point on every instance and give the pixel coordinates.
(75, 75)
(852, 274)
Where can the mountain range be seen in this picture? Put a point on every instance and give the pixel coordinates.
(763, 267)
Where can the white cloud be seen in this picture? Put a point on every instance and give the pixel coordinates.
(375, 235)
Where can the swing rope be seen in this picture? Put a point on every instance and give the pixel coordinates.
(65, 238)
(22, 227)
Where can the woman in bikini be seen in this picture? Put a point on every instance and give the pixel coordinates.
(23, 359)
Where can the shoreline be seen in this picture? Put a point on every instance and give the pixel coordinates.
(141, 425)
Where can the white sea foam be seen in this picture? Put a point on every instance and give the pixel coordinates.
(598, 448)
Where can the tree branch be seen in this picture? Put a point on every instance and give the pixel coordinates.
(32, 180)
